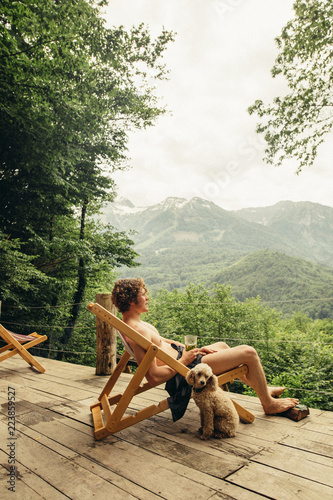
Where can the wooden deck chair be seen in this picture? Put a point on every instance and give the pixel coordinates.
(19, 344)
(107, 420)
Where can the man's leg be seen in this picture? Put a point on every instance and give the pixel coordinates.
(228, 358)
(274, 391)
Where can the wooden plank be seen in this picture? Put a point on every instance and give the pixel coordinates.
(65, 427)
(199, 458)
(225, 490)
(78, 411)
(273, 428)
(62, 474)
(121, 458)
(297, 462)
(242, 446)
(315, 442)
(131, 489)
(326, 415)
(42, 399)
(320, 426)
(28, 486)
(187, 453)
(71, 391)
(232, 492)
(60, 369)
(52, 386)
(279, 485)
(117, 480)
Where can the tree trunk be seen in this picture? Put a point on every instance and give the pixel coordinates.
(106, 339)
(81, 286)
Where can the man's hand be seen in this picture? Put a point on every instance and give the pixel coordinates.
(189, 356)
(206, 350)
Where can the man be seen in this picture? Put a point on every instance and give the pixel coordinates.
(131, 299)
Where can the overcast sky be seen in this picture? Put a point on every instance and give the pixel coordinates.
(207, 145)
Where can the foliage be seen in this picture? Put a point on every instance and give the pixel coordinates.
(288, 283)
(298, 122)
(295, 352)
(282, 253)
(17, 272)
(70, 90)
(285, 282)
(210, 313)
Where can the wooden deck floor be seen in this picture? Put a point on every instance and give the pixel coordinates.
(56, 456)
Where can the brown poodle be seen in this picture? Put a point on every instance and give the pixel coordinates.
(218, 415)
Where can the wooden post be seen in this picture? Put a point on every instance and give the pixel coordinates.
(106, 339)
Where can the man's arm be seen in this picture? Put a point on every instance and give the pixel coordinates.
(168, 341)
(157, 374)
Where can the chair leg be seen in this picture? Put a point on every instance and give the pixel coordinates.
(132, 387)
(115, 421)
(230, 377)
(244, 414)
(115, 375)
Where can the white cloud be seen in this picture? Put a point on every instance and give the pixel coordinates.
(220, 63)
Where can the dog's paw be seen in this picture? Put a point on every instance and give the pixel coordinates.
(218, 435)
(204, 437)
(228, 434)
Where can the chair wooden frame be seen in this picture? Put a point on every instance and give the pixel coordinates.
(107, 421)
(19, 344)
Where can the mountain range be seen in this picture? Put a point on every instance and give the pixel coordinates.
(281, 252)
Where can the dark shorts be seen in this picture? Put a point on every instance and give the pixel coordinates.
(178, 388)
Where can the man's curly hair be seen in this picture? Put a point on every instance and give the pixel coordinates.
(125, 292)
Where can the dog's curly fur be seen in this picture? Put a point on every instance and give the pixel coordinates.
(218, 415)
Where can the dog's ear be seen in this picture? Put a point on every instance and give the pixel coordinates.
(190, 378)
(212, 383)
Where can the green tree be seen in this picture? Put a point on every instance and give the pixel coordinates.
(296, 124)
(17, 271)
(295, 352)
(211, 313)
(70, 90)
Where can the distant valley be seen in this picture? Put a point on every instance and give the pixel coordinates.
(284, 252)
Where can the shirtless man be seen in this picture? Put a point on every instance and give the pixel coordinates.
(131, 299)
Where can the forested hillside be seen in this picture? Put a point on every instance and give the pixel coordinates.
(287, 283)
(307, 226)
(282, 253)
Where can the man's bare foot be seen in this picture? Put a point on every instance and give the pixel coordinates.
(275, 392)
(279, 405)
